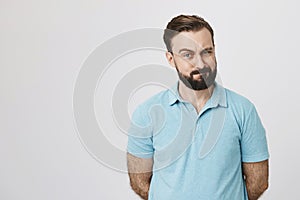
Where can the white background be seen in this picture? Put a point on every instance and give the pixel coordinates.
(44, 43)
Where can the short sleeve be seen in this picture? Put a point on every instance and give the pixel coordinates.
(254, 145)
(140, 134)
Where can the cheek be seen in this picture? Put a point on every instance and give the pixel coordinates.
(212, 63)
(186, 70)
(184, 66)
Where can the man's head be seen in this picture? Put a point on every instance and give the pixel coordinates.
(191, 50)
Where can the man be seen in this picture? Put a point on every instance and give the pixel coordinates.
(196, 140)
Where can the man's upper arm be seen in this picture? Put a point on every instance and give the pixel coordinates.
(254, 147)
(140, 134)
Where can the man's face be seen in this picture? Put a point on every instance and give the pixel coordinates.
(193, 56)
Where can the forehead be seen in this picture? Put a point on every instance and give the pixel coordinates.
(193, 40)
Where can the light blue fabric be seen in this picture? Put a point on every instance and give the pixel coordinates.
(197, 156)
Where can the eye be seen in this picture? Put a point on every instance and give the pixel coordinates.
(187, 55)
(206, 52)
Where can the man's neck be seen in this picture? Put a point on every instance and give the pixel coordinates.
(197, 98)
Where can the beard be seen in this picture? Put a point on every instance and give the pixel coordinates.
(208, 77)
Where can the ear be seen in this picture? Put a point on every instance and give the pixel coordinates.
(170, 58)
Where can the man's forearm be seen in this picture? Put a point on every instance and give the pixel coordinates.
(255, 190)
(140, 174)
(140, 183)
(256, 177)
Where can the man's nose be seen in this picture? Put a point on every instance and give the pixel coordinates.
(199, 62)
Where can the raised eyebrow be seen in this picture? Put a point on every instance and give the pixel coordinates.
(185, 49)
(208, 49)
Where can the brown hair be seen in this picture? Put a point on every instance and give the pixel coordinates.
(185, 23)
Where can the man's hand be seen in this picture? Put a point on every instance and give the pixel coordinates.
(256, 177)
(140, 173)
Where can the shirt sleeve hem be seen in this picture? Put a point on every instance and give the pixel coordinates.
(256, 158)
(141, 155)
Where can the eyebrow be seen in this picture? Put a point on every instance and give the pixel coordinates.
(186, 49)
(208, 49)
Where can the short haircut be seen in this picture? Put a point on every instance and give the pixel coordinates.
(185, 23)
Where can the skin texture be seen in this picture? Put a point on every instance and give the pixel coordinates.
(140, 173)
(256, 176)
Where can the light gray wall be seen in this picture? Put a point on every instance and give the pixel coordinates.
(43, 45)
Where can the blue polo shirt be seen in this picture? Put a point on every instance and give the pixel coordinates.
(197, 156)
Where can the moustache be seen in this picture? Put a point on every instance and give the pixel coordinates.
(200, 71)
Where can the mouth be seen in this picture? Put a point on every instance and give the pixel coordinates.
(203, 72)
(197, 76)
(200, 75)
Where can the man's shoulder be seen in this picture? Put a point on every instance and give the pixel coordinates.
(161, 98)
(237, 100)
(239, 106)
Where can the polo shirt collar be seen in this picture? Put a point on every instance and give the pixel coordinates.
(218, 97)
(173, 94)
